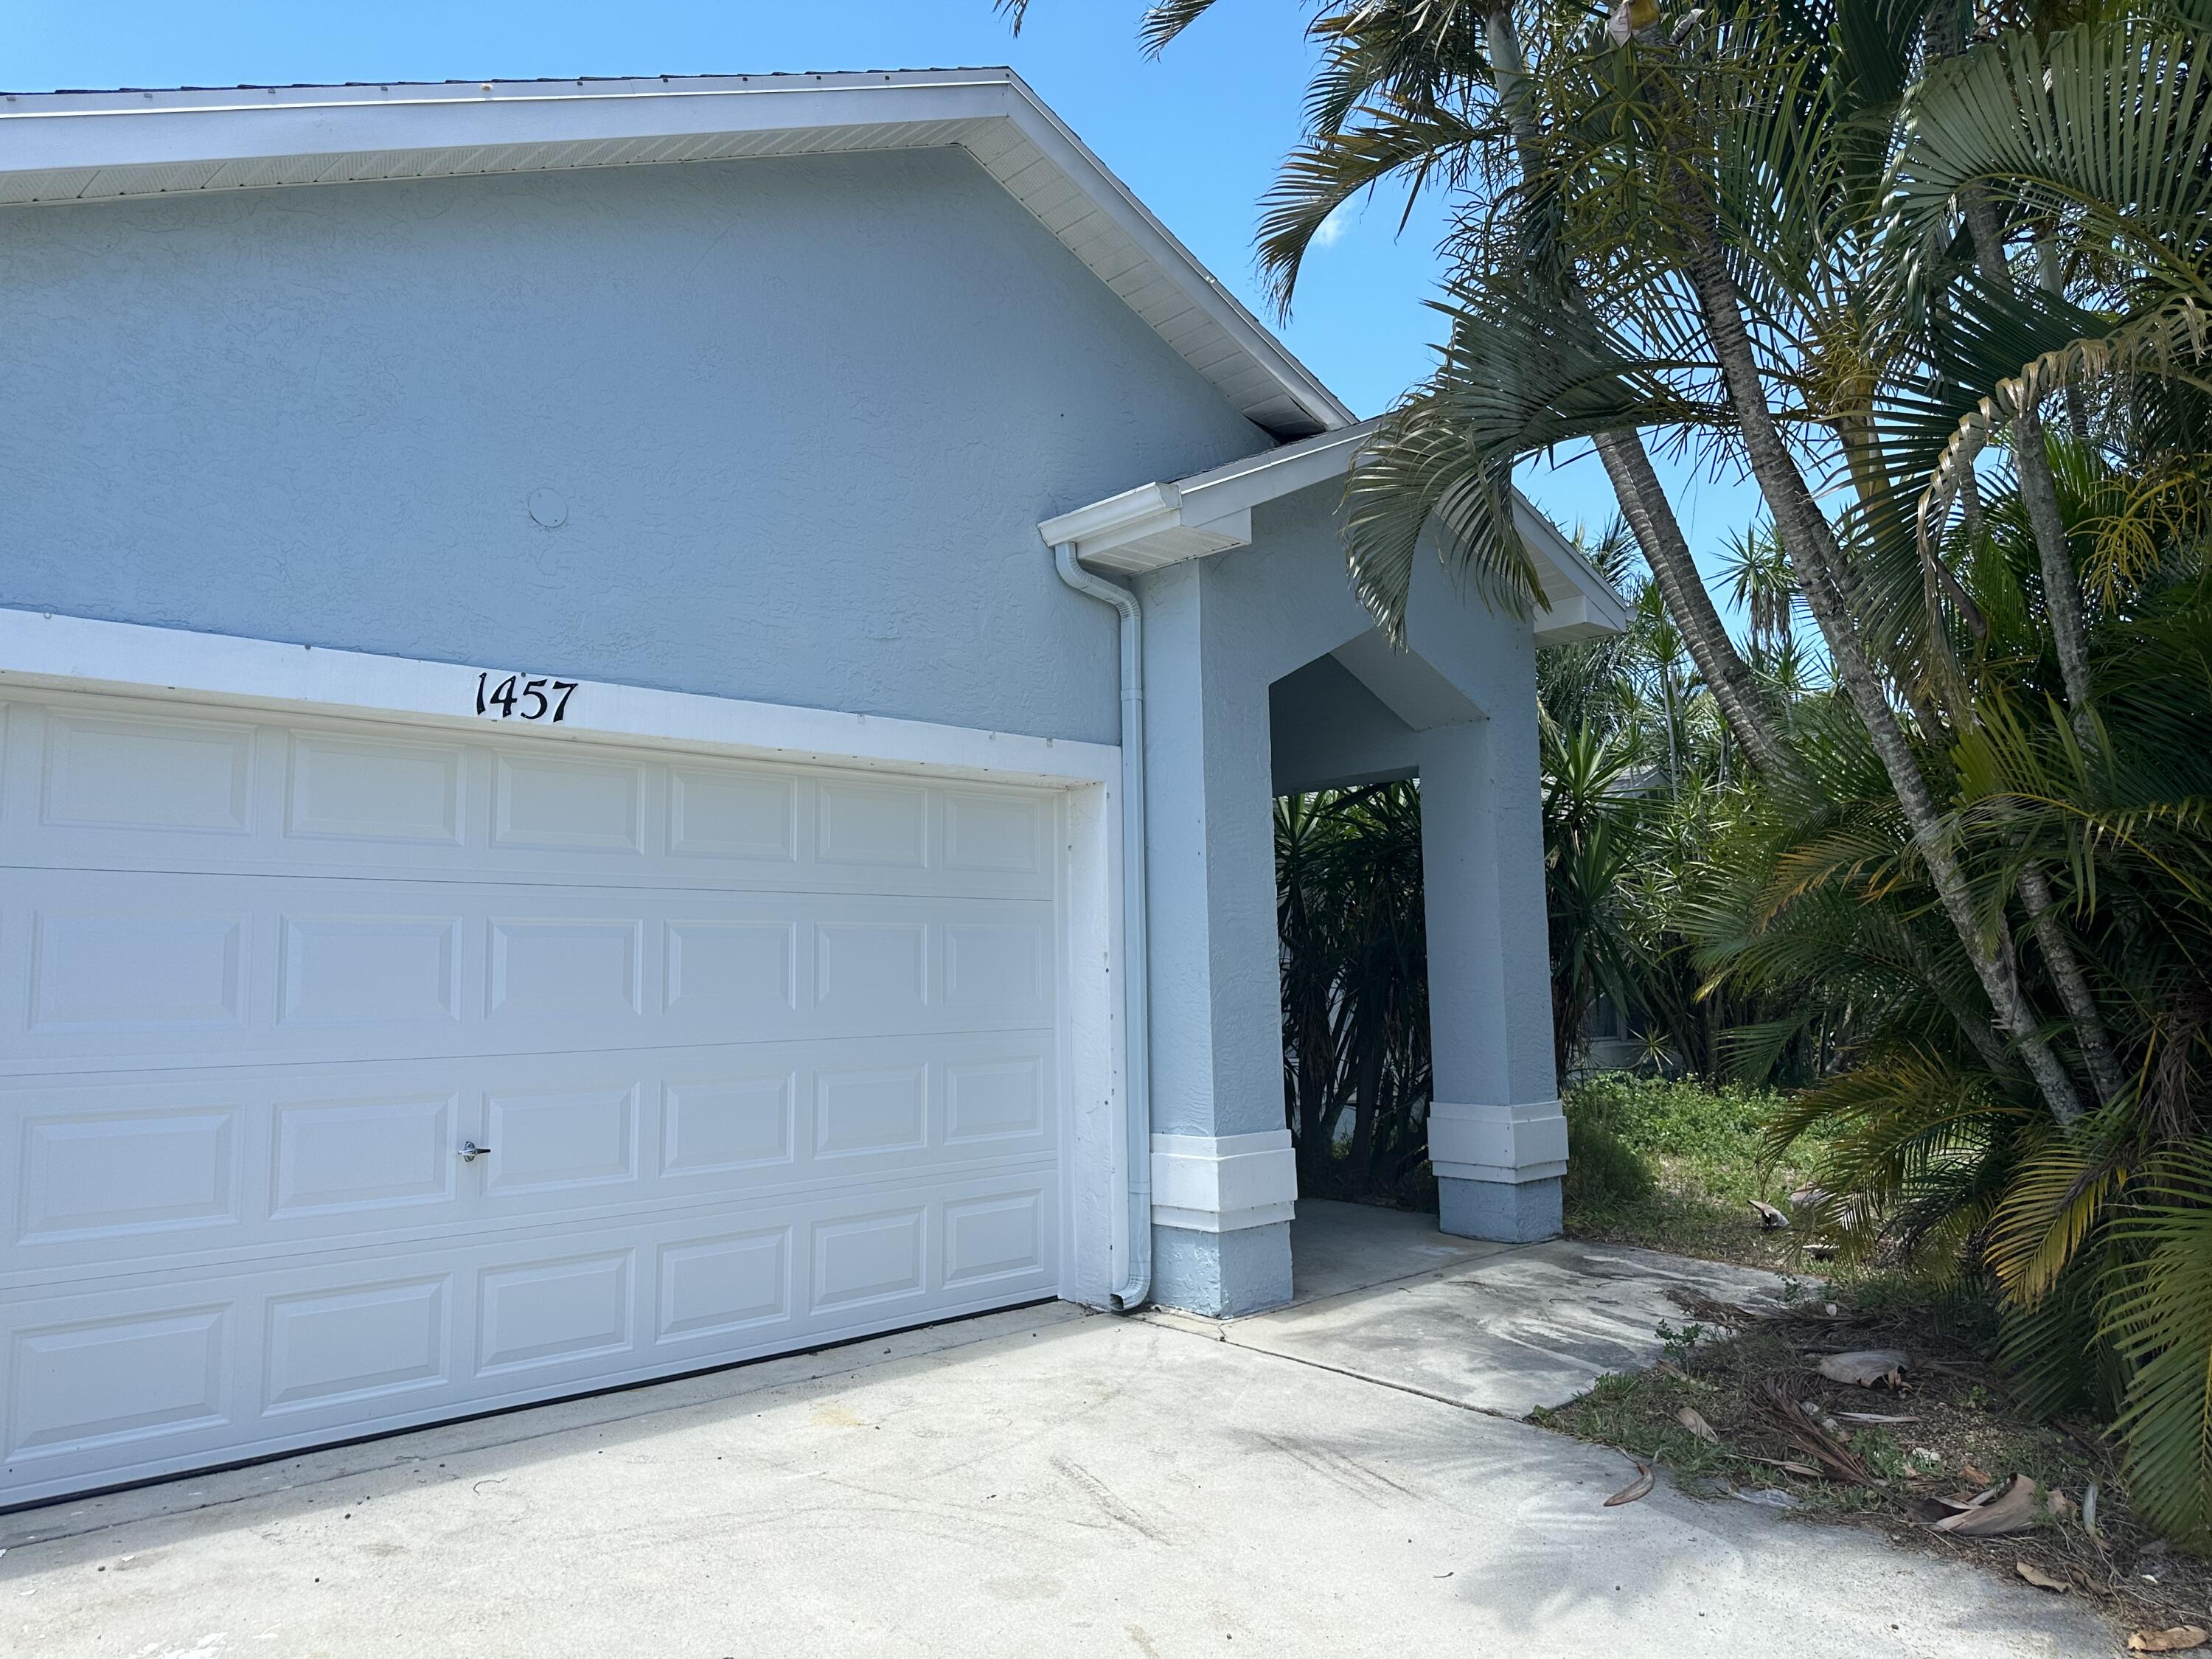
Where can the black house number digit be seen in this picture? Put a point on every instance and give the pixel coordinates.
(532, 697)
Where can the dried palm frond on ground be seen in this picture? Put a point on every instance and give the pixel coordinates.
(1779, 1403)
(1949, 1446)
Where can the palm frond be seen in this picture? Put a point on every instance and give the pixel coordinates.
(2108, 121)
(1424, 148)
(2171, 342)
(2051, 1209)
(1521, 372)
(1166, 19)
(2158, 1313)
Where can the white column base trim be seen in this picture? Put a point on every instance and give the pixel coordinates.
(1510, 1143)
(1224, 1183)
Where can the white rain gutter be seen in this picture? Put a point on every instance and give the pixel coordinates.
(1136, 980)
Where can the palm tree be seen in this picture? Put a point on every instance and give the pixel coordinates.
(1761, 585)
(1714, 178)
(1416, 91)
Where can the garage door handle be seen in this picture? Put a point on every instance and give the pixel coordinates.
(470, 1151)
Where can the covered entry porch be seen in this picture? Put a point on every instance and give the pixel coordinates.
(1262, 675)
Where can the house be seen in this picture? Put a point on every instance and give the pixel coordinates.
(573, 807)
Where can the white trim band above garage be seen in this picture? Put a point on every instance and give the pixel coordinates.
(1508, 1144)
(1224, 1183)
(39, 648)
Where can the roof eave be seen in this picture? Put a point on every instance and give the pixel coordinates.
(1158, 524)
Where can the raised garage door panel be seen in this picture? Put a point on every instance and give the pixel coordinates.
(765, 1055)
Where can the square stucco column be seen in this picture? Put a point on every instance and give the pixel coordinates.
(1224, 1177)
(1498, 1139)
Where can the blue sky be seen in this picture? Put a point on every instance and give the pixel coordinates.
(1197, 134)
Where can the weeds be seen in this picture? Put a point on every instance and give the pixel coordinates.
(1674, 1166)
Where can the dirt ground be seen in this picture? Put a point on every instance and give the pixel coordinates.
(1956, 1434)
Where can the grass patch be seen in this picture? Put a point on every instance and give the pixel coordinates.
(1674, 1166)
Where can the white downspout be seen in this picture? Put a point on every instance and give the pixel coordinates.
(1136, 988)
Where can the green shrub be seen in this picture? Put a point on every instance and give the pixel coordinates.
(1604, 1172)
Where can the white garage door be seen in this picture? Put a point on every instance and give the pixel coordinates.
(759, 1056)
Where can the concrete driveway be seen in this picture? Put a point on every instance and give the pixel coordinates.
(1343, 1476)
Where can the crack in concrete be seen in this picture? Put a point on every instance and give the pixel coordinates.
(1418, 1393)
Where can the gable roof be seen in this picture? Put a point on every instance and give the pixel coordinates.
(1162, 524)
(95, 146)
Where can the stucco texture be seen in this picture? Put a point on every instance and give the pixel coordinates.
(791, 425)
(802, 415)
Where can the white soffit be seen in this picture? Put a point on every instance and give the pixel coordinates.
(1163, 524)
(1158, 524)
(1583, 603)
(98, 146)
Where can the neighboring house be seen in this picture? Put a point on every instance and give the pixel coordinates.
(1613, 1040)
(561, 823)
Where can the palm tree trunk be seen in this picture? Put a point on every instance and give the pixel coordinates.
(1977, 1027)
(1636, 483)
(1811, 545)
(2038, 494)
(2072, 984)
(2061, 590)
(1312, 1101)
(2052, 280)
(1650, 517)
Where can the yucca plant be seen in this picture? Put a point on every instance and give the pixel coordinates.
(1355, 985)
(1593, 832)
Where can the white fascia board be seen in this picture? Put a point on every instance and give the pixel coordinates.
(1156, 525)
(1144, 529)
(1162, 524)
(1566, 621)
(61, 132)
(39, 649)
(1242, 485)
(1584, 604)
(76, 147)
(1130, 516)
(1076, 159)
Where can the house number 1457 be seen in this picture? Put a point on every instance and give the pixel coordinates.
(517, 698)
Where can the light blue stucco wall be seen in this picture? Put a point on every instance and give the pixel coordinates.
(805, 413)
(1220, 632)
